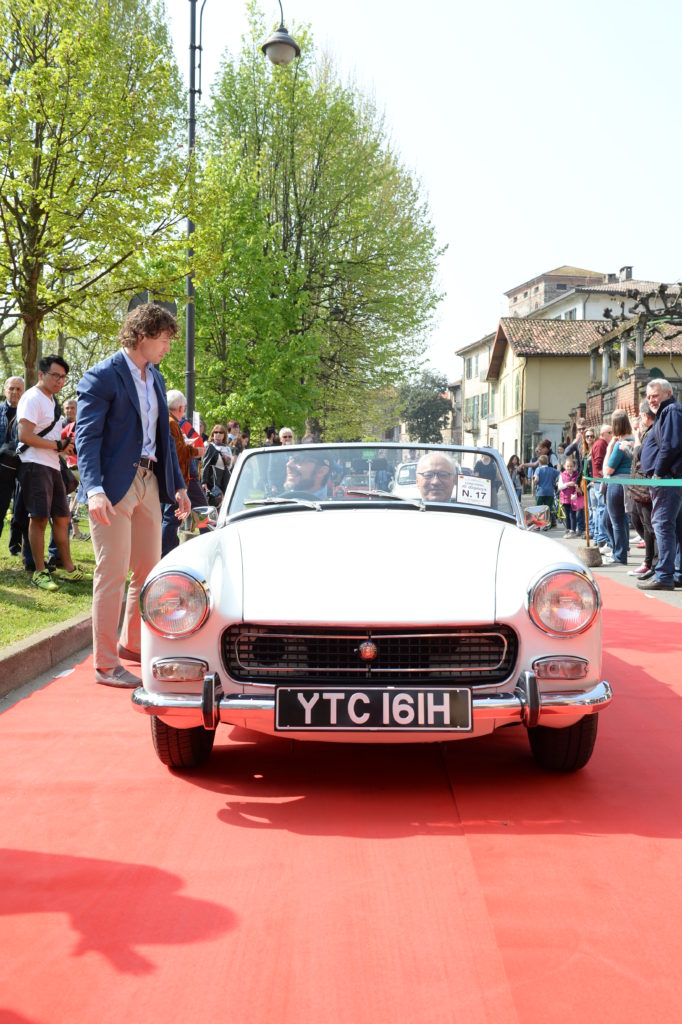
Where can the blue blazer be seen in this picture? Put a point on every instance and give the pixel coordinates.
(109, 432)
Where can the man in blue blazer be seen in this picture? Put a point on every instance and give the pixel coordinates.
(128, 465)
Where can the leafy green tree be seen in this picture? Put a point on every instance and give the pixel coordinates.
(91, 163)
(315, 254)
(425, 407)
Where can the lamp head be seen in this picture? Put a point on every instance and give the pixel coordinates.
(280, 47)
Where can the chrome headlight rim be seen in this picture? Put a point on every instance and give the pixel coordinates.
(559, 569)
(179, 570)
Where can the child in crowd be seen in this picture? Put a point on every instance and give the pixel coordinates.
(545, 477)
(571, 496)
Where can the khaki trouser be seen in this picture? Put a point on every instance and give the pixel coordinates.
(132, 541)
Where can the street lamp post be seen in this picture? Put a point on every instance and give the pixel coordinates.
(280, 48)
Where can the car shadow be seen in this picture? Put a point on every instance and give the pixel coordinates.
(149, 907)
(490, 784)
(10, 1017)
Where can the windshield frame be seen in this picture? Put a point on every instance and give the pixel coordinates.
(512, 513)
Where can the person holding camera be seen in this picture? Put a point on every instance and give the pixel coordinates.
(216, 465)
(42, 487)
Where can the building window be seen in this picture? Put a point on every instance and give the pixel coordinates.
(492, 401)
(525, 295)
(517, 393)
(467, 368)
(561, 287)
(484, 407)
(570, 314)
(515, 298)
(476, 366)
(504, 400)
(467, 408)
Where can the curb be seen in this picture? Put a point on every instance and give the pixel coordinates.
(26, 659)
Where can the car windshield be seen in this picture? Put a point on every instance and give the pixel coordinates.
(370, 473)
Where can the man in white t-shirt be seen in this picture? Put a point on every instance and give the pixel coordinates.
(42, 488)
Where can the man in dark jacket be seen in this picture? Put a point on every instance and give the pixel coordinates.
(14, 389)
(661, 460)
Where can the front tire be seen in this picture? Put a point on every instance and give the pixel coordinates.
(181, 748)
(564, 750)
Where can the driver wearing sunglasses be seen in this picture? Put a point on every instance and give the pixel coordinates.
(307, 471)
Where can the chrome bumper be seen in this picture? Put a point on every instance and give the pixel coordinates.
(525, 704)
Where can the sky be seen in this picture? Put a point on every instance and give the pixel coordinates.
(543, 134)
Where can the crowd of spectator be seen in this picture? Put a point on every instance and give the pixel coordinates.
(206, 461)
(604, 465)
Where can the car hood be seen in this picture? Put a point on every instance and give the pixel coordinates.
(379, 566)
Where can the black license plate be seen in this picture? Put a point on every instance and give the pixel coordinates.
(388, 709)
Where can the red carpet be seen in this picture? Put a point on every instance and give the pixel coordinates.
(363, 885)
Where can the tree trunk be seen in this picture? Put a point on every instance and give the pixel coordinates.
(29, 351)
(314, 427)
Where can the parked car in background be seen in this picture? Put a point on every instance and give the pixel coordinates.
(356, 483)
(405, 480)
(449, 616)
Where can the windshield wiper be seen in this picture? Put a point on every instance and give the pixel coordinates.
(264, 502)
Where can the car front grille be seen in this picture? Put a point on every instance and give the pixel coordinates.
(475, 655)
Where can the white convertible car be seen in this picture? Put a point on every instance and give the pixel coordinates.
(356, 615)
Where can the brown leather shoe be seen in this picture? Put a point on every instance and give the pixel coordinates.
(127, 655)
(654, 584)
(118, 676)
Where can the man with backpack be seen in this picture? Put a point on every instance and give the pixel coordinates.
(40, 445)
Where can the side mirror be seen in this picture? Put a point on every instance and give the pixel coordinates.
(200, 518)
(203, 516)
(536, 517)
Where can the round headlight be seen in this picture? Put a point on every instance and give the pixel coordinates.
(563, 603)
(175, 603)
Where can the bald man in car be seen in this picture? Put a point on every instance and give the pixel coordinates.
(435, 477)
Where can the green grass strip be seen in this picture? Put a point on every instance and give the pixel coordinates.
(24, 609)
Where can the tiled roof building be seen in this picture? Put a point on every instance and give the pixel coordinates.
(556, 351)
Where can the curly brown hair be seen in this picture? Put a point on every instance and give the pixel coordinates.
(149, 320)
